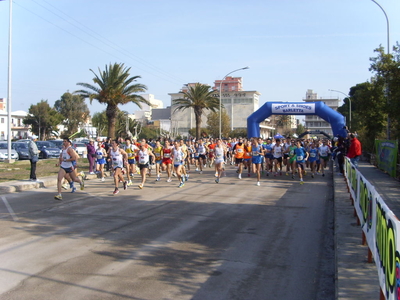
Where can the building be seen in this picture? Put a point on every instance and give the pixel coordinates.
(314, 122)
(239, 105)
(144, 114)
(18, 129)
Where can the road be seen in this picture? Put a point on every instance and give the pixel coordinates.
(232, 240)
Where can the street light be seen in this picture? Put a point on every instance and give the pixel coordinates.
(387, 83)
(348, 97)
(220, 98)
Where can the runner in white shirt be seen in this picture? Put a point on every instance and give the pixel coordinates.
(178, 158)
(118, 158)
(324, 152)
(144, 155)
(219, 153)
(277, 152)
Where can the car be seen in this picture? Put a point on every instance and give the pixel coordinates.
(48, 150)
(58, 143)
(4, 152)
(81, 149)
(22, 150)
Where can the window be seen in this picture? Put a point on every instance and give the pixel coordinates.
(2, 120)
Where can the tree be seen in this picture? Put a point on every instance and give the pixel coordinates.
(99, 120)
(300, 129)
(200, 98)
(43, 119)
(114, 87)
(213, 124)
(74, 110)
(387, 69)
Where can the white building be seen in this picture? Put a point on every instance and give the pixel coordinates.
(18, 129)
(314, 122)
(146, 111)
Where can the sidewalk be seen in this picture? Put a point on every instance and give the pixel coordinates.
(355, 277)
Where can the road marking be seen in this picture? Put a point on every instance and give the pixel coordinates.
(10, 210)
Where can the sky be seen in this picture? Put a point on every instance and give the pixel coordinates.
(290, 46)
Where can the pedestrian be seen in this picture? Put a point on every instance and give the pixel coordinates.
(355, 150)
(33, 156)
(91, 155)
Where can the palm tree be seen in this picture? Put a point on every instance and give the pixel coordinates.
(200, 98)
(114, 87)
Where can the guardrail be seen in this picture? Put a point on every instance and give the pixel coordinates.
(380, 231)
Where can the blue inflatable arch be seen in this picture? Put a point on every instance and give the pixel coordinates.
(319, 108)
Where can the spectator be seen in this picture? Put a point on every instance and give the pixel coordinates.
(355, 150)
(91, 154)
(33, 157)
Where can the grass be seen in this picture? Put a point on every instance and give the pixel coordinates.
(20, 170)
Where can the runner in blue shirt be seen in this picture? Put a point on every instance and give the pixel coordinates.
(301, 156)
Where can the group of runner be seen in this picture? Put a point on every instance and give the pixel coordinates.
(175, 159)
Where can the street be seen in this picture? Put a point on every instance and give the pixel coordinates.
(232, 240)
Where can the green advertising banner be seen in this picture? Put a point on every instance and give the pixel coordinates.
(386, 156)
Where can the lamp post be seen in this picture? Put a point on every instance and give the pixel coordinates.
(220, 98)
(387, 83)
(348, 97)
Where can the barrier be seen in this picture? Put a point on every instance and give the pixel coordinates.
(379, 227)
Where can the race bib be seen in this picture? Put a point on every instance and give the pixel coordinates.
(167, 155)
(300, 157)
(142, 160)
(313, 154)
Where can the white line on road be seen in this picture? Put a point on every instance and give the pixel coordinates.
(10, 210)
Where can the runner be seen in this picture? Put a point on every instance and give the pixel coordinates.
(118, 157)
(313, 156)
(277, 154)
(144, 155)
(324, 152)
(247, 162)
(65, 162)
(101, 155)
(158, 153)
(201, 150)
(257, 153)
(166, 161)
(131, 150)
(269, 158)
(301, 157)
(219, 151)
(238, 151)
(292, 157)
(178, 157)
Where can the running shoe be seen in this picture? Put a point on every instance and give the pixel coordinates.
(116, 191)
(65, 186)
(301, 181)
(240, 176)
(82, 184)
(201, 172)
(258, 183)
(181, 184)
(169, 179)
(131, 174)
(197, 169)
(73, 190)
(82, 174)
(174, 174)
(129, 182)
(217, 180)
(292, 176)
(323, 174)
(187, 177)
(103, 179)
(287, 174)
(140, 186)
(125, 185)
(58, 197)
(158, 178)
(71, 184)
(312, 175)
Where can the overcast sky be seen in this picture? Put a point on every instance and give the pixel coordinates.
(289, 45)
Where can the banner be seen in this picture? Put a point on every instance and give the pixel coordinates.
(293, 109)
(379, 225)
(386, 156)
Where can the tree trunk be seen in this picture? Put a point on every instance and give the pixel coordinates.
(197, 115)
(111, 113)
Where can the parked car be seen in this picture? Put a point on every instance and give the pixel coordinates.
(22, 149)
(81, 149)
(48, 150)
(4, 152)
(58, 143)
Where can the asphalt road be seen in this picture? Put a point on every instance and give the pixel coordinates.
(232, 240)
